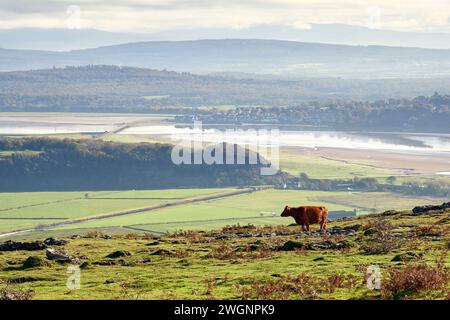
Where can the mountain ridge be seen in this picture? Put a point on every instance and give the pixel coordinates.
(61, 39)
(257, 56)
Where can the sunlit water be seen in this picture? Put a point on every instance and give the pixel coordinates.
(309, 139)
(402, 142)
(53, 129)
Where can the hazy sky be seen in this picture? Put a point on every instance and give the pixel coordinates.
(155, 15)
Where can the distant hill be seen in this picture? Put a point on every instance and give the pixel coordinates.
(248, 56)
(110, 88)
(59, 39)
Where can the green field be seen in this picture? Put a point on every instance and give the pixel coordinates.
(30, 209)
(259, 208)
(296, 162)
(36, 209)
(378, 201)
(137, 138)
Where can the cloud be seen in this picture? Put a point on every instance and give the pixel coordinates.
(156, 15)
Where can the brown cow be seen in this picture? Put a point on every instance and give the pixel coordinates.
(304, 216)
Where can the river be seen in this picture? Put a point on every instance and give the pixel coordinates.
(385, 141)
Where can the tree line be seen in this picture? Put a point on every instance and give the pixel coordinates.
(62, 164)
(423, 114)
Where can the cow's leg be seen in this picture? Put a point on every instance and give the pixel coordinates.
(307, 226)
(303, 227)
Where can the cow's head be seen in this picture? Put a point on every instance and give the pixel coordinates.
(286, 212)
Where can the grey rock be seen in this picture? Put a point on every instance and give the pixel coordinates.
(60, 256)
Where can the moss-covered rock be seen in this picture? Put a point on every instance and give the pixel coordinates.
(319, 259)
(118, 254)
(34, 262)
(161, 252)
(408, 256)
(370, 232)
(291, 245)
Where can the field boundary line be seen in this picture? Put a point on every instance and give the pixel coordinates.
(52, 202)
(143, 230)
(139, 210)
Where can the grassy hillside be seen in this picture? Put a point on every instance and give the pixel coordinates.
(248, 262)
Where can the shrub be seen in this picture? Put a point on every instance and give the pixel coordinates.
(339, 280)
(190, 235)
(380, 225)
(10, 291)
(249, 228)
(270, 290)
(379, 239)
(132, 236)
(380, 243)
(300, 286)
(414, 278)
(210, 285)
(226, 252)
(181, 253)
(431, 231)
(130, 291)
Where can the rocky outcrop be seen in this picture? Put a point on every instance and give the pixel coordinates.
(55, 242)
(425, 209)
(343, 231)
(408, 256)
(60, 256)
(291, 245)
(27, 246)
(31, 246)
(118, 254)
